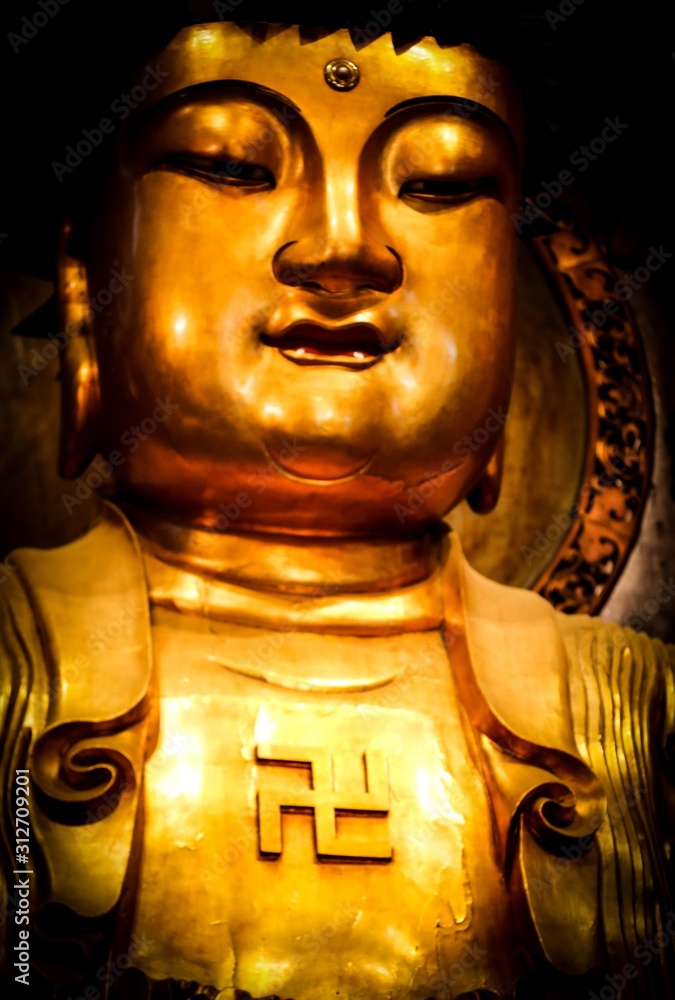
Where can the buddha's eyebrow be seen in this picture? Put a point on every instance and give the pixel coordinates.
(218, 85)
(460, 107)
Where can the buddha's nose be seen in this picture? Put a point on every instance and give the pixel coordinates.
(340, 247)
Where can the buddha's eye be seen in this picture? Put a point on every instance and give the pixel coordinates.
(440, 192)
(232, 173)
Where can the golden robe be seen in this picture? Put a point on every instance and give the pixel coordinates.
(481, 803)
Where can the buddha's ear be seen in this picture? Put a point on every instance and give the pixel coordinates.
(80, 400)
(484, 496)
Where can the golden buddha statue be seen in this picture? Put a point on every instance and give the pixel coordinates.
(280, 739)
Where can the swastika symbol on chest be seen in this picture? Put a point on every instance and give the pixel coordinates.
(325, 802)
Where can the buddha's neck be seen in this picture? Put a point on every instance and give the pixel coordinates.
(289, 563)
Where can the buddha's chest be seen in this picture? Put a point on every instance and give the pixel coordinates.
(311, 844)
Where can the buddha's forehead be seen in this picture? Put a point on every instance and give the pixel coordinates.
(285, 61)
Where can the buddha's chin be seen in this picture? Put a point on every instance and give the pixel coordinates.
(318, 462)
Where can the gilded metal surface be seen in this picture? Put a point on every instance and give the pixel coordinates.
(319, 227)
(325, 801)
(489, 795)
(283, 742)
(552, 401)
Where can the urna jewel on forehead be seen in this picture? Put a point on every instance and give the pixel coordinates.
(341, 74)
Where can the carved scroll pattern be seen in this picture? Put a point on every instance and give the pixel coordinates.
(617, 471)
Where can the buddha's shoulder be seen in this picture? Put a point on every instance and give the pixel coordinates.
(611, 645)
(103, 558)
(53, 600)
(526, 625)
(617, 672)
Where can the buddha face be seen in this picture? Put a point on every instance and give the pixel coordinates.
(320, 267)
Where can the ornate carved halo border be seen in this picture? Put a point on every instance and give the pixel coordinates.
(605, 519)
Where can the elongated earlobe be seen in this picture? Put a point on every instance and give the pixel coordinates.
(484, 496)
(80, 403)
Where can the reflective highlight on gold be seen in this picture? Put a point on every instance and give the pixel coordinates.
(342, 74)
(325, 802)
(283, 742)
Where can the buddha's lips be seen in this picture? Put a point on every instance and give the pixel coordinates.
(356, 346)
